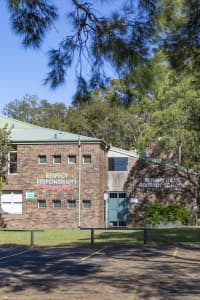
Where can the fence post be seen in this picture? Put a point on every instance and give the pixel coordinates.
(145, 236)
(92, 236)
(32, 238)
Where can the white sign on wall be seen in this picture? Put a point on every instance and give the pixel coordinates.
(170, 183)
(134, 200)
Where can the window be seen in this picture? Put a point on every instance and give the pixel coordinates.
(41, 203)
(42, 159)
(86, 204)
(118, 163)
(118, 223)
(87, 159)
(71, 203)
(113, 195)
(56, 159)
(71, 159)
(122, 195)
(11, 202)
(12, 162)
(56, 204)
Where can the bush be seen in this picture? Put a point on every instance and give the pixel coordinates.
(171, 213)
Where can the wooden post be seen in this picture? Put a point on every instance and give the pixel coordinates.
(145, 236)
(92, 236)
(32, 239)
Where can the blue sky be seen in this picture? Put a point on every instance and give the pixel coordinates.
(22, 70)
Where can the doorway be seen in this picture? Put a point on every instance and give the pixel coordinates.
(117, 209)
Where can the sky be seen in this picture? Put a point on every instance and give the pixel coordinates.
(22, 71)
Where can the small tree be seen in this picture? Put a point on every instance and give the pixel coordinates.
(169, 213)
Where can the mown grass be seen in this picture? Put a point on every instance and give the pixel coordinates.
(119, 237)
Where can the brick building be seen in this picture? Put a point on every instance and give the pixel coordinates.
(62, 180)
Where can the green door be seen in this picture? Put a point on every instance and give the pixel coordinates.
(118, 208)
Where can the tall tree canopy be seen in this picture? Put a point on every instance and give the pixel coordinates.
(98, 118)
(172, 119)
(39, 112)
(122, 33)
(153, 45)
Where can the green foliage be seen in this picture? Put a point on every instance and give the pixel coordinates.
(173, 213)
(182, 33)
(123, 35)
(99, 118)
(114, 124)
(171, 118)
(41, 113)
(119, 39)
(31, 20)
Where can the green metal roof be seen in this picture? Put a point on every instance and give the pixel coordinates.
(23, 132)
(132, 153)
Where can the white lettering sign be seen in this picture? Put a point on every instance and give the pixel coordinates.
(170, 183)
(56, 181)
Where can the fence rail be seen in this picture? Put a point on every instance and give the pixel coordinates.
(92, 230)
(32, 231)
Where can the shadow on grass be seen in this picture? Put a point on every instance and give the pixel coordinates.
(119, 237)
(154, 236)
(174, 235)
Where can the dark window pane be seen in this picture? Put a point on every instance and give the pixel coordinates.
(42, 159)
(57, 159)
(41, 203)
(86, 203)
(71, 203)
(13, 163)
(56, 204)
(87, 159)
(118, 163)
(122, 195)
(113, 195)
(71, 159)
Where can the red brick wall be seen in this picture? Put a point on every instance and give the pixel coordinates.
(93, 185)
(144, 170)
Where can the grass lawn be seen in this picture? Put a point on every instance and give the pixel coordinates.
(120, 237)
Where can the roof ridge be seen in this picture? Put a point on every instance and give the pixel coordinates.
(19, 121)
(120, 150)
(171, 165)
(19, 128)
(35, 126)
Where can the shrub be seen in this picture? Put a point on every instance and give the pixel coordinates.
(171, 213)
